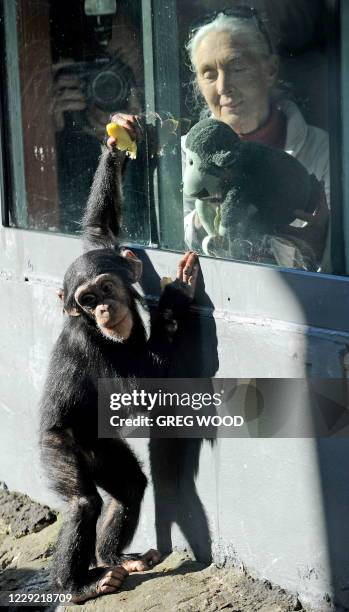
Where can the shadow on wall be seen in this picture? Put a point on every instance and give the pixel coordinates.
(327, 415)
(333, 459)
(174, 466)
(175, 462)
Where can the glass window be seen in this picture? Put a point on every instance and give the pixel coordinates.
(253, 186)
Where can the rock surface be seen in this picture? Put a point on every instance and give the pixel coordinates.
(20, 515)
(177, 584)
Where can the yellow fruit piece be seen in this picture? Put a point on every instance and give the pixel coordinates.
(123, 140)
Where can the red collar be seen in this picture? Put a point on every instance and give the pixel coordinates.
(272, 133)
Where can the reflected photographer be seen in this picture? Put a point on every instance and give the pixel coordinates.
(87, 92)
(106, 76)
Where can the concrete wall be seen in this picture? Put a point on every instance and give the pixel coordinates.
(277, 506)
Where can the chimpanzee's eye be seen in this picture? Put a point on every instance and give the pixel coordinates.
(88, 300)
(107, 288)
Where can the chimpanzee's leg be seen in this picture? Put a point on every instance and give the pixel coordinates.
(120, 475)
(70, 472)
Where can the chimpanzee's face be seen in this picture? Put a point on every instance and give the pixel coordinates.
(106, 300)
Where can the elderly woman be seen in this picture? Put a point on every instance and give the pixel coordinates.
(236, 72)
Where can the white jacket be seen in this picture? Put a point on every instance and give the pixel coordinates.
(308, 144)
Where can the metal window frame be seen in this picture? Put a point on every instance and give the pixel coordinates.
(161, 66)
(13, 187)
(335, 121)
(344, 162)
(4, 158)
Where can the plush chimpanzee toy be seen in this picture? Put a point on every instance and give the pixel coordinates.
(103, 336)
(258, 187)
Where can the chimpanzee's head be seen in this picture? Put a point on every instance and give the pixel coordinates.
(98, 285)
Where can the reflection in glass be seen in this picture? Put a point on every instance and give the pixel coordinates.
(263, 74)
(78, 63)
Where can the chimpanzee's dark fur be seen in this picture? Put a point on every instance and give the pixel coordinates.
(103, 212)
(75, 459)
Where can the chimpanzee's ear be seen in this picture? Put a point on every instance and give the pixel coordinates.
(136, 266)
(73, 312)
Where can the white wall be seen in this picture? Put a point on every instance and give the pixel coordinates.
(279, 506)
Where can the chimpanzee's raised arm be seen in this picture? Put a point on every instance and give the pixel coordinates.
(101, 222)
(174, 303)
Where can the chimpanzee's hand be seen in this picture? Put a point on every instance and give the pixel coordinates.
(134, 124)
(177, 296)
(187, 272)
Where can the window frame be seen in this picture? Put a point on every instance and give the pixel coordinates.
(162, 66)
(12, 133)
(343, 15)
(335, 108)
(5, 189)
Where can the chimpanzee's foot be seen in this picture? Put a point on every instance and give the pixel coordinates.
(103, 580)
(142, 563)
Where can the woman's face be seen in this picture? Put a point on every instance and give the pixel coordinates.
(234, 80)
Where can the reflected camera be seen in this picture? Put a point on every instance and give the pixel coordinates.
(107, 82)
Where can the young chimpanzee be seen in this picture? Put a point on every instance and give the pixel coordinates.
(103, 336)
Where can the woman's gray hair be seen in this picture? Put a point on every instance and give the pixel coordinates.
(235, 25)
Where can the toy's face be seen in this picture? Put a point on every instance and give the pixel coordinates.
(198, 181)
